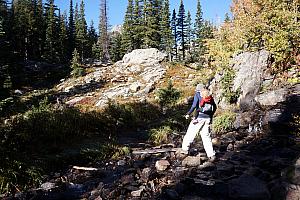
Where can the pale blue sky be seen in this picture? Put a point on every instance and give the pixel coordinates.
(213, 10)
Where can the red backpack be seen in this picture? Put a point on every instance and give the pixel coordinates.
(206, 105)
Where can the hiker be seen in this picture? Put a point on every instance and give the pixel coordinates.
(205, 109)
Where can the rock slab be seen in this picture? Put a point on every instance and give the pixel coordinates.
(248, 187)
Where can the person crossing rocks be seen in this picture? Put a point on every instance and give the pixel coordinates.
(204, 107)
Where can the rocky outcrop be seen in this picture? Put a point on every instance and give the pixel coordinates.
(142, 57)
(134, 77)
(250, 75)
(251, 70)
(272, 98)
(141, 70)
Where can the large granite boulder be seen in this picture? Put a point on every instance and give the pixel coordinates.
(142, 57)
(272, 98)
(250, 68)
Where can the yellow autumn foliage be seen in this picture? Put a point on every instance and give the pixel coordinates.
(270, 24)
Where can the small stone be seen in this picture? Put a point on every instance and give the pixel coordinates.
(216, 141)
(207, 166)
(48, 186)
(191, 76)
(98, 198)
(230, 147)
(95, 193)
(191, 161)
(162, 165)
(135, 87)
(137, 193)
(146, 174)
(131, 188)
(127, 179)
(121, 163)
(18, 92)
(179, 171)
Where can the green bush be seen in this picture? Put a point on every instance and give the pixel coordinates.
(4, 104)
(227, 87)
(120, 152)
(223, 122)
(160, 135)
(77, 72)
(132, 115)
(168, 96)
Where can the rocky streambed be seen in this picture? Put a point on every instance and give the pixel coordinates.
(249, 165)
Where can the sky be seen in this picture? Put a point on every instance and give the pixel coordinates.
(213, 10)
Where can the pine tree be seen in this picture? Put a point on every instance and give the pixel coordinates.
(182, 28)
(92, 39)
(1, 27)
(81, 30)
(71, 29)
(50, 42)
(227, 18)
(2, 43)
(138, 25)
(208, 29)
(40, 29)
(199, 32)
(127, 35)
(63, 39)
(199, 22)
(5, 54)
(174, 32)
(3, 16)
(96, 50)
(166, 39)
(115, 47)
(152, 29)
(23, 28)
(103, 31)
(189, 34)
(77, 70)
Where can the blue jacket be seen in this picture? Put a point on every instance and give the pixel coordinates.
(196, 103)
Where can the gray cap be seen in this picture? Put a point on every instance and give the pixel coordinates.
(199, 87)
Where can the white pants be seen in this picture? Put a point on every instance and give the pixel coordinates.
(194, 128)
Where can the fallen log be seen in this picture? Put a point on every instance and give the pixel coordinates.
(85, 168)
(155, 151)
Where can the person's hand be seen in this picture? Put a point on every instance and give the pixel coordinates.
(195, 121)
(187, 116)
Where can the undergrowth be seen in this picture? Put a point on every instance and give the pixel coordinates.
(223, 122)
(160, 135)
(28, 141)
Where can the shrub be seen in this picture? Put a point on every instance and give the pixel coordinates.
(160, 135)
(77, 70)
(295, 125)
(223, 122)
(132, 114)
(4, 104)
(120, 152)
(228, 93)
(34, 139)
(168, 96)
